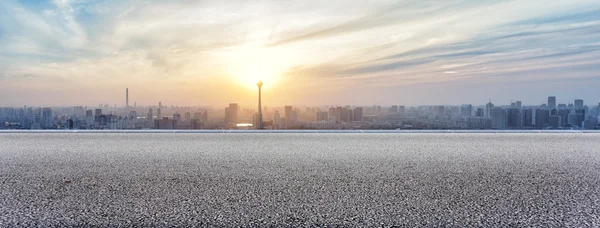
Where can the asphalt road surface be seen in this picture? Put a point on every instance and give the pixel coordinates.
(295, 179)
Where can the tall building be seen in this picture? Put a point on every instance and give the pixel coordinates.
(288, 112)
(519, 106)
(47, 118)
(205, 116)
(580, 115)
(347, 114)
(358, 114)
(552, 102)
(332, 115)
(165, 124)
(150, 116)
(177, 117)
(466, 110)
(98, 112)
(564, 116)
(401, 109)
(542, 118)
(514, 118)
(578, 104)
(322, 116)
(498, 116)
(259, 120)
(126, 97)
(488, 109)
(187, 117)
(479, 112)
(394, 109)
(555, 122)
(231, 113)
(276, 120)
(159, 113)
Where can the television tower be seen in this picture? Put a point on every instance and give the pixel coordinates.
(126, 97)
(260, 120)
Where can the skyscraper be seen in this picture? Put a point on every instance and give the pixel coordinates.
(466, 110)
(498, 116)
(552, 102)
(276, 119)
(150, 116)
(479, 112)
(358, 114)
(288, 112)
(580, 115)
(47, 118)
(259, 120)
(231, 113)
(542, 118)
(514, 118)
(578, 104)
(488, 109)
(555, 122)
(126, 97)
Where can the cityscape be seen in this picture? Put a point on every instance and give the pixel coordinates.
(575, 115)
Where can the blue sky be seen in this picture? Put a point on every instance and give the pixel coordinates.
(85, 52)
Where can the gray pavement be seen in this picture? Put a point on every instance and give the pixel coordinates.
(299, 179)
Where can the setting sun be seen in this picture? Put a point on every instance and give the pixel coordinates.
(250, 64)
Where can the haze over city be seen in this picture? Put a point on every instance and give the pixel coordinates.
(85, 52)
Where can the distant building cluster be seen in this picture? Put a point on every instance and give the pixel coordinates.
(516, 116)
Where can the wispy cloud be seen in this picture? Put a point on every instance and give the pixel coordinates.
(349, 46)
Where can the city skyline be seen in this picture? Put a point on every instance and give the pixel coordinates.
(517, 116)
(64, 52)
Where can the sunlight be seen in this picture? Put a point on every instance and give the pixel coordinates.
(253, 63)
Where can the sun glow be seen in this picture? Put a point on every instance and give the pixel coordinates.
(250, 64)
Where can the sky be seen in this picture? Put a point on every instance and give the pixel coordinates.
(308, 52)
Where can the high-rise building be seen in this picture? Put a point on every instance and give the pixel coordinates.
(322, 116)
(187, 117)
(552, 102)
(177, 117)
(288, 112)
(165, 124)
(332, 115)
(358, 113)
(488, 109)
(578, 104)
(519, 106)
(159, 113)
(466, 110)
(259, 120)
(542, 118)
(479, 112)
(394, 109)
(205, 116)
(276, 119)
(498, 116)
(133, 114)
(150, 116)
(554, 122)
(564, 116)
(347, 114)
(98, 112)
(401, 109)
(440, 111)
(514, 118)
(47, 118)
(580, 115)
(231, 113)
(126, 97)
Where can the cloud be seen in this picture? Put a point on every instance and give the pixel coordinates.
(322, 44)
